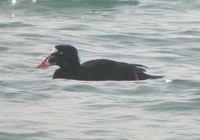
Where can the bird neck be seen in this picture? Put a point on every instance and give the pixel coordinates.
(70, 68)
(69, 72)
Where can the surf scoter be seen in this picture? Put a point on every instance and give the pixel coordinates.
(66, 57)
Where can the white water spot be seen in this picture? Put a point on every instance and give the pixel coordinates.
(14, 2)
(34, 1)
(168, 81)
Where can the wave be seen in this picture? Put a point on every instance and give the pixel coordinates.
(72, 3)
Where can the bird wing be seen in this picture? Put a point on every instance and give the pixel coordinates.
(109, 69)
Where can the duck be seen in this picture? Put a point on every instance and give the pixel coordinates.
(67, 58)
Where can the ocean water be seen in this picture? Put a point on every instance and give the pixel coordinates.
(164, 35)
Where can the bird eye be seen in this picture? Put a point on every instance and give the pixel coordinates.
(52, 60)
(61, 52)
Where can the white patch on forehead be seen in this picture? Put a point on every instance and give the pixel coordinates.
(55, 50)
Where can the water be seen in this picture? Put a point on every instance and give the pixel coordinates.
(161, 34)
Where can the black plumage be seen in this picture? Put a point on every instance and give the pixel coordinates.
(66, 57)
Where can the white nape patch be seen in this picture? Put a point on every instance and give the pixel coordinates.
(55, 50)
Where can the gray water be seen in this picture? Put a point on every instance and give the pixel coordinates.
(161, 34)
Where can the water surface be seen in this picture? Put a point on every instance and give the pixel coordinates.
(161, 34)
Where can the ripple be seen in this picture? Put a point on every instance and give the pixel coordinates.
(22, 136)
(175, 106)
(16, 24)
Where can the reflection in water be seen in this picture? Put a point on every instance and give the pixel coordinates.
(13, 15)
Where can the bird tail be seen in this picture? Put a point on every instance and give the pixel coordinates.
(144, 76)
(154, 77)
